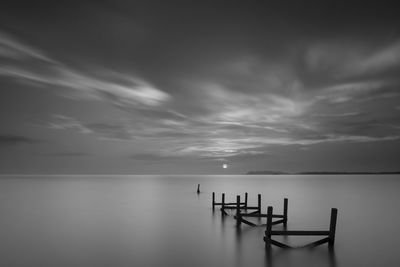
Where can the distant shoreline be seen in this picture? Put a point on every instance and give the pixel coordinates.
(315, 173)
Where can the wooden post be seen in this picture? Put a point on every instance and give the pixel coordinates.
(238, 218)
(223, 203)
(198, 188)
(213, 200)
(285, 211)
(332, 227)
(259, 203)
(245, 199)
(267, 238)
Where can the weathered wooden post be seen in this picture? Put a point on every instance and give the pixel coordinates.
(246, 195)
(223, 204)
(259, 203)
(213, 200)
(267, 238)
(238, 218)
(332, 227)
(285, 211)
(198, 188)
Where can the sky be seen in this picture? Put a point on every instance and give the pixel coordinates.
(183, 87)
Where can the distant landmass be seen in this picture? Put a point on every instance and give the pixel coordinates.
(316, 172)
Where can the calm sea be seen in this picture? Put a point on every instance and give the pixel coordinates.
(160, 220)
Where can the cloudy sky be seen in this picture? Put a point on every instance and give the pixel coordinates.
(181, 87)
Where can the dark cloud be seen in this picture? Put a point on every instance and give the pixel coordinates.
(10, 139)
(154, 157)
(69, 154)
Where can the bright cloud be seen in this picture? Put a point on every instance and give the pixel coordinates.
(14, 49)
(120, 89)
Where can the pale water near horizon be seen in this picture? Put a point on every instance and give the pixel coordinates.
(86, 221)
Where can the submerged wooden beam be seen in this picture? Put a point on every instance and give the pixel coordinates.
(245, 221)
(299, 232)
(317, 243)
(254, 215)
(279, 244)
(277, 222)
(241, 207)
(234, 203)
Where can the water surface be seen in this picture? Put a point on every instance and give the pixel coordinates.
(161, 221)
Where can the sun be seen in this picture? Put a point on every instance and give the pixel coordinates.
(224, 165)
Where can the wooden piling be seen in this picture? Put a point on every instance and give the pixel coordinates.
(267, 238)
(246, 195)
(223, 202)
(259, 203)
(285, 211)
(198, 188)
(332, 227)
(213, 200)
(238, 217)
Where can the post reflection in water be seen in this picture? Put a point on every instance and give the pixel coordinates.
(238, 254)
(275, 256)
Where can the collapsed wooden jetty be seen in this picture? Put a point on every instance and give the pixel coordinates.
(239, 206)
(233, 205)
(330, 234)
(240, 217)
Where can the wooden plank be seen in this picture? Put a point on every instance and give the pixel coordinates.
(277, 222)
(252, 214)
(249, 208)
(234, 203)
(299, 232)
(279, 244)
(228, 204)
(247, 222)
(241, 207)
(317, 243)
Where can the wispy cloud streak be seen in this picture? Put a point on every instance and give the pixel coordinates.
(14, 49)
(120, 89)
